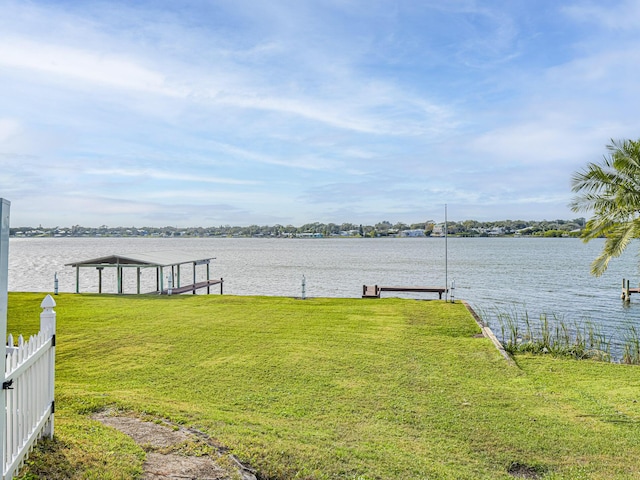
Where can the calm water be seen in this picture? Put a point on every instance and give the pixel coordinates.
(539, 275)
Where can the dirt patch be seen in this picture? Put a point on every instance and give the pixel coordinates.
(520, 470)
(175, 452)
(159, 465)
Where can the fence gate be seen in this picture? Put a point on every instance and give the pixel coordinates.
(28, 390)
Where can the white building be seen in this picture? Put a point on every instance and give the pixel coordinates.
(412, 233)
(438, 230)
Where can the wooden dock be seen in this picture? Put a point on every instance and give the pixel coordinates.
(626, 291)
(374, 291)
(193, 287)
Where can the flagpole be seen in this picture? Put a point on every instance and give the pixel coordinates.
(446, 260)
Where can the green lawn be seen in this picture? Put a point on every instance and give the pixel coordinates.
(329, 389)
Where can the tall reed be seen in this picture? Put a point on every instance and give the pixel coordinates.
(631, 354)
(520, 333)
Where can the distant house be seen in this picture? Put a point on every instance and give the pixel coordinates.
(438, 230)
(412, 233)
(350, 233)
(309, 235)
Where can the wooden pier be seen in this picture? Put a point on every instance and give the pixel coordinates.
(193, 287)
(374, 291)
(626, 291)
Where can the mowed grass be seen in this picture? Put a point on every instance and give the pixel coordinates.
(328, 389)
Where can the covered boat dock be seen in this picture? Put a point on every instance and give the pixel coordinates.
(163, 262)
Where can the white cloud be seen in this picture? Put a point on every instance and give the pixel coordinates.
(354, 108)
(84, 65)
(622, 15)
(9, 128)
(304, 162)
(533, 143)
(174, 176)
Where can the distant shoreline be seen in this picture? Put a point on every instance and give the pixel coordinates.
(467, 228)
(294, 237)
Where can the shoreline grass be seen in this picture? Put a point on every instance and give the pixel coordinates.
(328, 389)
(552, 335)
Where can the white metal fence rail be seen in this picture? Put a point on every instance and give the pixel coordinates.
(28, 389)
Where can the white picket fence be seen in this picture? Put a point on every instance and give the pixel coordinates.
(28, 389)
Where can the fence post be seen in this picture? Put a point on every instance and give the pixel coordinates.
(48, 325)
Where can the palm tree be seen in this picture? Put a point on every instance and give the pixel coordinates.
(611, 190)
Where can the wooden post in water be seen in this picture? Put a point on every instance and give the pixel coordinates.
(194, 277)
(120, 279)
(626, 295)
(99, 278)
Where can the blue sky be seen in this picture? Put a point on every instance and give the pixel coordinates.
(201, 113)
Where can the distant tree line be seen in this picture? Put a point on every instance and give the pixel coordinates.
(467, 228)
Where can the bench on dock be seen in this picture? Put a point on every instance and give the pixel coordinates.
(373, 291)
(193, 287)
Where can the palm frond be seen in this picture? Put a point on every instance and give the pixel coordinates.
(611, 191)
(619, 237)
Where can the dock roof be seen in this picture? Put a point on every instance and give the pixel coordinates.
(152, 259)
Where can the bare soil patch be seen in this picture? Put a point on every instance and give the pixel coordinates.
(175, 452)
(520, 470)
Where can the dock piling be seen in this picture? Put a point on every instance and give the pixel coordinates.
(627, 291)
